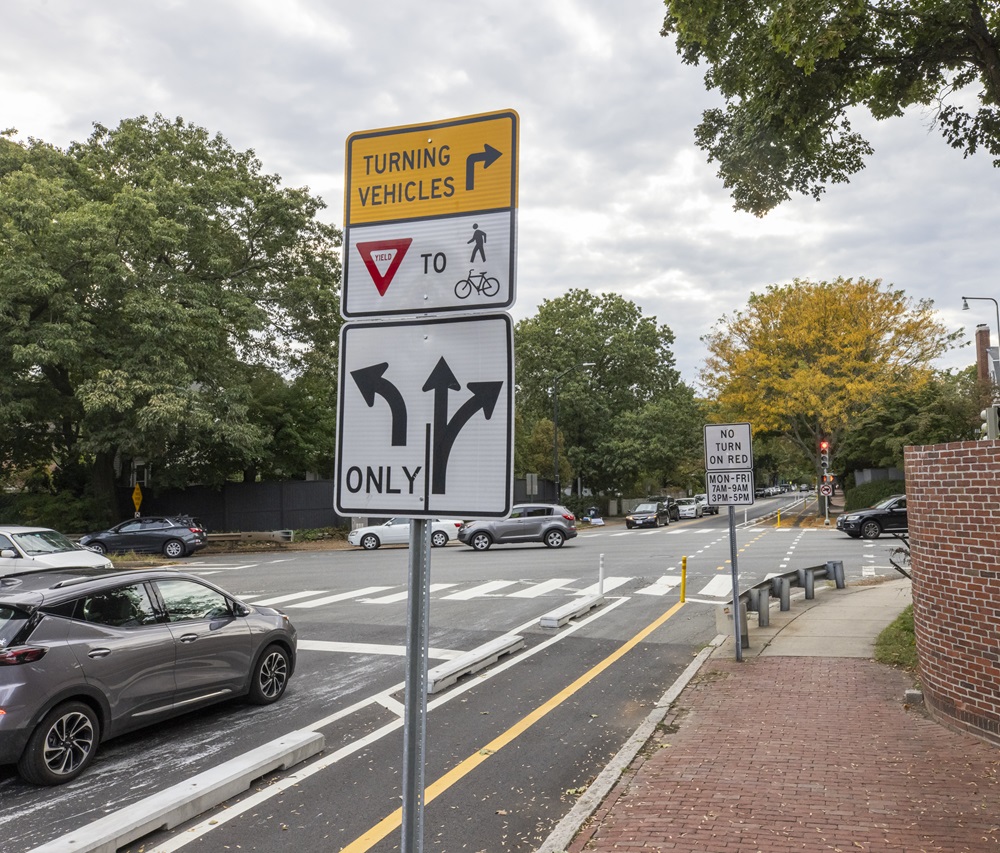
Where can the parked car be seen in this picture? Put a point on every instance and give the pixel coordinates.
(89, 654)
(171, 535)
(40, 547)
(648, 514)
(396, 531)
(689, 508)
(706, 507)
(548, 523)
(889, 516)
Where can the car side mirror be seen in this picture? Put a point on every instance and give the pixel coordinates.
(240, 609)
(8, 553)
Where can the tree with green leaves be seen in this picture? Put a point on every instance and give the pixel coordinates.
(791, 74)
(632, 369)
(150, 278)
(943, 409)
(807, 360)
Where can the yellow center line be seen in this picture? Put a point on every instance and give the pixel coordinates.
(394, 820)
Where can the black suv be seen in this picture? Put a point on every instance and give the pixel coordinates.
(670, 503)
(889, 516)
(171, 535)
(86, 655)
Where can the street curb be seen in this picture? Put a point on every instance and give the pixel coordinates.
(566, 830)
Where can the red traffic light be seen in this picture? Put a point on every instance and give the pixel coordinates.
(824, 445)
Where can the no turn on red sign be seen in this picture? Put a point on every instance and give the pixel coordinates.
(729, 464)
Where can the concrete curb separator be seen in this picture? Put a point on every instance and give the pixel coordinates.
(565, 831)
(561, 615)
(187, 799)
(448, 673)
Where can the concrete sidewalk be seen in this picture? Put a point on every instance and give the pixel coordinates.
(805, 745)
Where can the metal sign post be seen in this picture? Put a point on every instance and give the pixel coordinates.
(415, 691)
(729, 482)
(425, 407)
(737, 625)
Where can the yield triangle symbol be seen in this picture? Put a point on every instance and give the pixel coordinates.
(382, 258)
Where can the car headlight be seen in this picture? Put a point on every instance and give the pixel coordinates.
(853, 517)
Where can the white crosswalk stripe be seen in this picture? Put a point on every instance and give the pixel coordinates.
(490, 589)
(609, 584)
(661, 586)
(281, 599)
(480, 591)
(718, 587)
(535, 590)
(342, 596)
(402, 596)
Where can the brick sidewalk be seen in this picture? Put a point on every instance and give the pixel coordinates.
(805, 754)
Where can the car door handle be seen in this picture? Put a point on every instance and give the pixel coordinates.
(188, 638)
(98, 653)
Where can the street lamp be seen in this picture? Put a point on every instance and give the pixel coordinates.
(965, 307)
(555, 421)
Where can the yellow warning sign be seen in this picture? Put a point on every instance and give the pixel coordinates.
(137, 496)
(460, 165)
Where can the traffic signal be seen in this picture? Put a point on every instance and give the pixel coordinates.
(990, 426)
(824, 454)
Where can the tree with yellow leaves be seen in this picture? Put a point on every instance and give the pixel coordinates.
(805, 359)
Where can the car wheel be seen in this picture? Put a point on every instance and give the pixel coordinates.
(871, 530)
(439, 539)
(174, 548)
(62, 746)
(554, 539)
(370, 542)
(98, 547)
(270, 676)
(481, 541)
(629, 526)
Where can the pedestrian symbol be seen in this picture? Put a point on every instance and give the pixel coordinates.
(479, 238)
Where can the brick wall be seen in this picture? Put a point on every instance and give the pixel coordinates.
(953, 500)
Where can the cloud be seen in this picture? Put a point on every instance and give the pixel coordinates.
(614, 195)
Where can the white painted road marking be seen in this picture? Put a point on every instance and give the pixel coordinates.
(402, 596)
(660, 587)
(371, 649)
(480, 591)
(343, 596)
(541, 588)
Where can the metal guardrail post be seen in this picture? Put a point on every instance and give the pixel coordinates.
(810, 584)
(786, 594)
(835, 572)
(764, 607)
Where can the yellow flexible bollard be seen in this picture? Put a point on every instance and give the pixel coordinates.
(779, 519)
(684, 577)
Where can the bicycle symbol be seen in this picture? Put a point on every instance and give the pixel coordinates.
(483, 286)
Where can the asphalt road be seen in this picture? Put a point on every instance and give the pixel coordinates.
(508, 749)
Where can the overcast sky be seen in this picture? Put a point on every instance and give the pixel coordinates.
(614, 195)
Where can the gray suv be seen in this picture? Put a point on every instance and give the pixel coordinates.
(548, 523)
(86, 655)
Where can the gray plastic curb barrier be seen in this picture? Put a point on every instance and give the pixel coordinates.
(185, 800)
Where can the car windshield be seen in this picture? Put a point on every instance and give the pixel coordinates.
(43, 542)
(685, 501)
(645, 508)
